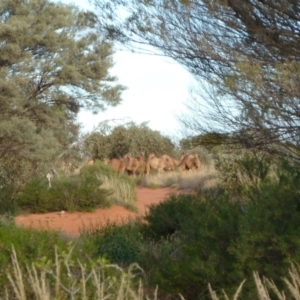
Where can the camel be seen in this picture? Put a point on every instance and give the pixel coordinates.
(158, 164)
(174, 162)
(120, 165)
(90, 162)
(138, 164)
(189, 161)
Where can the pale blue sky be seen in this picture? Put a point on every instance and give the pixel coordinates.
(156, 90)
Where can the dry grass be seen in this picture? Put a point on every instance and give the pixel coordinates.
(123, 192)
(81, 282)
(205, 178)
(103, 281)
(265, 285)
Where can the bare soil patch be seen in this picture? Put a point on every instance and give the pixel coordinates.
(73, 223)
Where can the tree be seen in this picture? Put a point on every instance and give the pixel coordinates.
(243, 53)
(131, 137)
(52, 64)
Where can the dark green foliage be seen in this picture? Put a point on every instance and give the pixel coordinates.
(7, 203)
(269, 229)
(83, 193)
(203, 232)
(218, 238)
(120, 244)
(167, 218)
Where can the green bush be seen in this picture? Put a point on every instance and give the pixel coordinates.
(217, 238)
(120, 244)
(269, 228)
(78, 193)
(7, 203)
(168, 217)
(31, 245)
(192, 240)
(122, 187)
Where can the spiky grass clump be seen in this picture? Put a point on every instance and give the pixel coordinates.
(123, 191)
(67, 279)
(265, 285)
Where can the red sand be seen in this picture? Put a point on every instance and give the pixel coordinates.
(72, 223)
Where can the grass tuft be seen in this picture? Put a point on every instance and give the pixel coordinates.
(205, 178)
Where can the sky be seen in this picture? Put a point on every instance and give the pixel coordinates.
(157, 89)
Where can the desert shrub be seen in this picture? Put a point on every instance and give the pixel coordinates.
(77, 193)
(191, 244)
(7, 202)
(47, 265)
(269, 229)
(221, 238)
(122, 188)
(204, 155)
(239, 168)
(63, 274)
(120, 244)
(31, 245)
(167, 217)
(98, 168)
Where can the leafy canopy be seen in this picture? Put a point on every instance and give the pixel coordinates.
(52, 64)
(244, 55)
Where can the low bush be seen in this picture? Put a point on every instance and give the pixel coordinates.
(269, 229)
(81, 193)
(32, 246)
(66, 277)
(7, 202)
(122, 188)
(86, 192)
(191, 244)
(120, 244)
(220, 238)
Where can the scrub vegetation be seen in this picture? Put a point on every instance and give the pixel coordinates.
(231, 230)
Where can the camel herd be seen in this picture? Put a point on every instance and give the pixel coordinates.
(134, 165)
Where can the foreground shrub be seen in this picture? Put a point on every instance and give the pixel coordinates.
(191, 244)
(7, 202)
(31, 245)
(269, 228)
(119, 243)
(267, 289)
(65, 278)
(217, 238)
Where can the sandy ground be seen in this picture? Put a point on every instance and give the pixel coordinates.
(73, 223)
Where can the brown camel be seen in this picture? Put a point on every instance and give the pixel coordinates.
(90, 162)
(120, 165)
(158, 164)
(174, 162)
(138, 165)
(189, 161)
